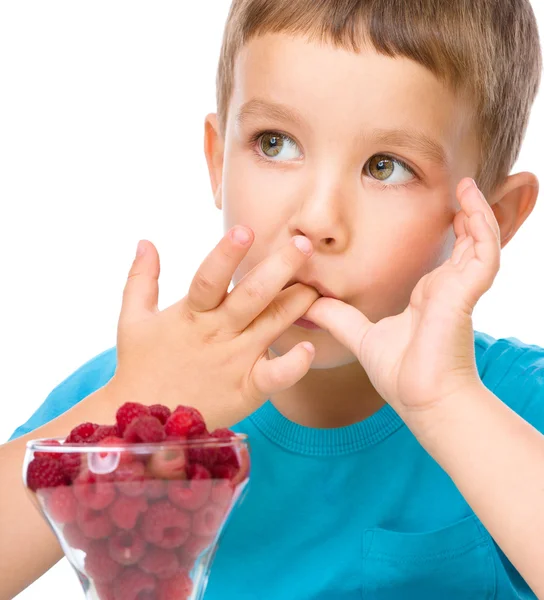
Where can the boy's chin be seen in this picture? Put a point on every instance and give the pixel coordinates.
(329, 352)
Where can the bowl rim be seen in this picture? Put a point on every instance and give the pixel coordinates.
(44, 445)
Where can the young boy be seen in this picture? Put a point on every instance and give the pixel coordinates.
(399, 454)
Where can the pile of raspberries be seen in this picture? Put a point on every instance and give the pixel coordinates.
(144, 523)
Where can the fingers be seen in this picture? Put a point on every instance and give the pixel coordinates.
(263, 283)
(141, 293)
(278, 374)
(288, 306)
(343, 321)
(210, 284)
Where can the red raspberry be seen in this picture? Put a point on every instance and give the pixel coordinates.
(226, 455)
(144, 429)
(160, 562)
(128, 412)
(81, 433)
(71, 464)
(75, 537)
(196, 544)
(127, 547)
(94, 524)
(62, 505)
(160, 411)
(93, 490)
(98, 563)
(103, 432)
(205, 456)
(133, 584)
(53, 455)
(165, 526)
(169, 463)
(207, 520)
(222, 492)
(224, 472)
(155, 489)
(184, 422)
(178, 587)
(191, 495)
(125, 511)
(44, 473)
(130, 478)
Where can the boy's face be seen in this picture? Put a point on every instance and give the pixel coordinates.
(367, 169)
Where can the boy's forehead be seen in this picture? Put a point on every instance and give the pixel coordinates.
(280, 77)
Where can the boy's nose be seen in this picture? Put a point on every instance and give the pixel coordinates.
(321, 218)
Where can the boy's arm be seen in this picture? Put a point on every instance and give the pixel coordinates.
(28, 548)
(496, 460)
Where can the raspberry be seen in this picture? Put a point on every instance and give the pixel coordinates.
(62, 505)
(144, 429)
(133, 584)
(53, 455)
(125, 511)
(191, 495)
(94, 524)
(196, 544)
(98, 563)
(81, 433)
(165, 526)
(205, 456)
(160, 411)
(222, 492)
(93, 490)
(185, 421)
(103, 432)
(128, 412)
(155, 489)
(160, 562)
(75, 537)
(207, 520)
(169, 463)
(224, 472)
(71, 464)
(127, 547)
(130, 478)
(178, 587)
(44, 473)
(226, 455)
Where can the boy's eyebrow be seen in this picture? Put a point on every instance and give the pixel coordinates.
(404, 138)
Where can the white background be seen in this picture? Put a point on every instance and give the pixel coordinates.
(102, 108)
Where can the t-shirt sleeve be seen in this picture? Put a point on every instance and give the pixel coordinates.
(514, 372)
(90, 377)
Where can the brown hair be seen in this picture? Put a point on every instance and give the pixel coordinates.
(488, 48)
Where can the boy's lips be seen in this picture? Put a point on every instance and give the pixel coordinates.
(325, 292)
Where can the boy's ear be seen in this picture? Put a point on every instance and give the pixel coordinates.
(214, 147)
(512, 202)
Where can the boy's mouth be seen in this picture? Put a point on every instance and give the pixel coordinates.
(323, 291)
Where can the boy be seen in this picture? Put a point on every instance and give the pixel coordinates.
(388, 460)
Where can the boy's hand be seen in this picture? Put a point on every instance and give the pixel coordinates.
(418, 358)
(210, 350)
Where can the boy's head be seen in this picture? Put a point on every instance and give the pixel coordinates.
(353, 121)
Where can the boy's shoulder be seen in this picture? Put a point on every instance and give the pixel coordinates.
(514, 372)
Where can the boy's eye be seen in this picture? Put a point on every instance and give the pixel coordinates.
(278, 146)
(386, 168)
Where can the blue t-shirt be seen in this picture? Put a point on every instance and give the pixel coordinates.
(359, 512)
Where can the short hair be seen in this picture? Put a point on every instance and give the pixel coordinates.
(487, 48)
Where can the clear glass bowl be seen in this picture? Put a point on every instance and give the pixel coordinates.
(138, 521)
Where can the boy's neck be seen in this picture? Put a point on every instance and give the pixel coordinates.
(329, 398)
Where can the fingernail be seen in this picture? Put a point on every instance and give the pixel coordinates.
(140, 251)
(241, 235)
(468, 183)
(303, 244)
